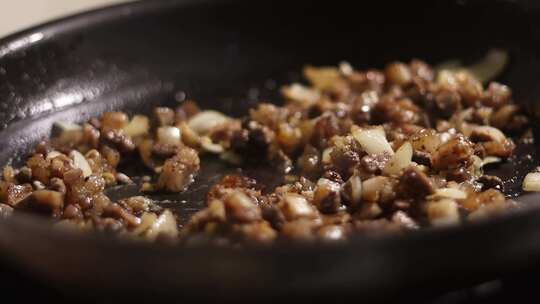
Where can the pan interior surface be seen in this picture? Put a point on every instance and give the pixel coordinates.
(228, 56)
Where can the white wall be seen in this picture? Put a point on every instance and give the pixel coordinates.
(19, 14)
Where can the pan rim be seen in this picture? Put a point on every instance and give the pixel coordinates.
(27, 37)
(98, 16)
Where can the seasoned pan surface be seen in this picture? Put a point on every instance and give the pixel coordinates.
(228, 56)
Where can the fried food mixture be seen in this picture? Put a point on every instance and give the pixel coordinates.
(360, 151)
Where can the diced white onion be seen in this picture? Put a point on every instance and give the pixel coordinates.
(139, 125)
(67, 126)
(300, 93)
(147, 220)
(165, 224)
(448, 65)
(484, 70)
(429, 141)
(80, 162)
(491, 132)
(447, 78)
(326, 155)
(477, 166)
(531, 183)
(345, 68)
(452, 193)
(209, 146)
(296, 206)
(373, 141)
(239, 198)
(355, 183)
(490, 160)
(368, 211)
(189, 137)
(401, 160)
(204, 121)
(443, 212)
(169, 136)
(372, 187)
(490, 66)
(145, 151)
(50, 198)
(404, 220)
(53, 154)
(321, 77)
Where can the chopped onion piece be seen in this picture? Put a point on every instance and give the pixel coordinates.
(209, 146)
(80, 162)
(452, 193)
(428, 141)
(321, 77)
(204, 121)
(400, 160)
(169, 136)
(443, 212)
(139, 125)
(477, 166)
(53, 154)
(165, 224)
(67, 126)
(484, 70)
(369, 211)
(345, 68)
(352, 190)
(296, 206)
(189, 137)
(451, 64)
(489, 132)
(373, 141)
(490, 66)
(459, 120)
(404, 220)
(241, 207)
(372, 187)
(145, 151)
(447, 78)
(147, 220)
(326, 155)
(300, 93)
(531, 183)
(490, 160)
(53, 199)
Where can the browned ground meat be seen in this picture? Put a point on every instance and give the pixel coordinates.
(361, 152)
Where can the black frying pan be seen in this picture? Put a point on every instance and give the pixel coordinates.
(228, 55)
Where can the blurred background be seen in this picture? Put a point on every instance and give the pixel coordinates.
(20, 14)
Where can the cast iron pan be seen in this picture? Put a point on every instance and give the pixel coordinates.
(228, 55)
